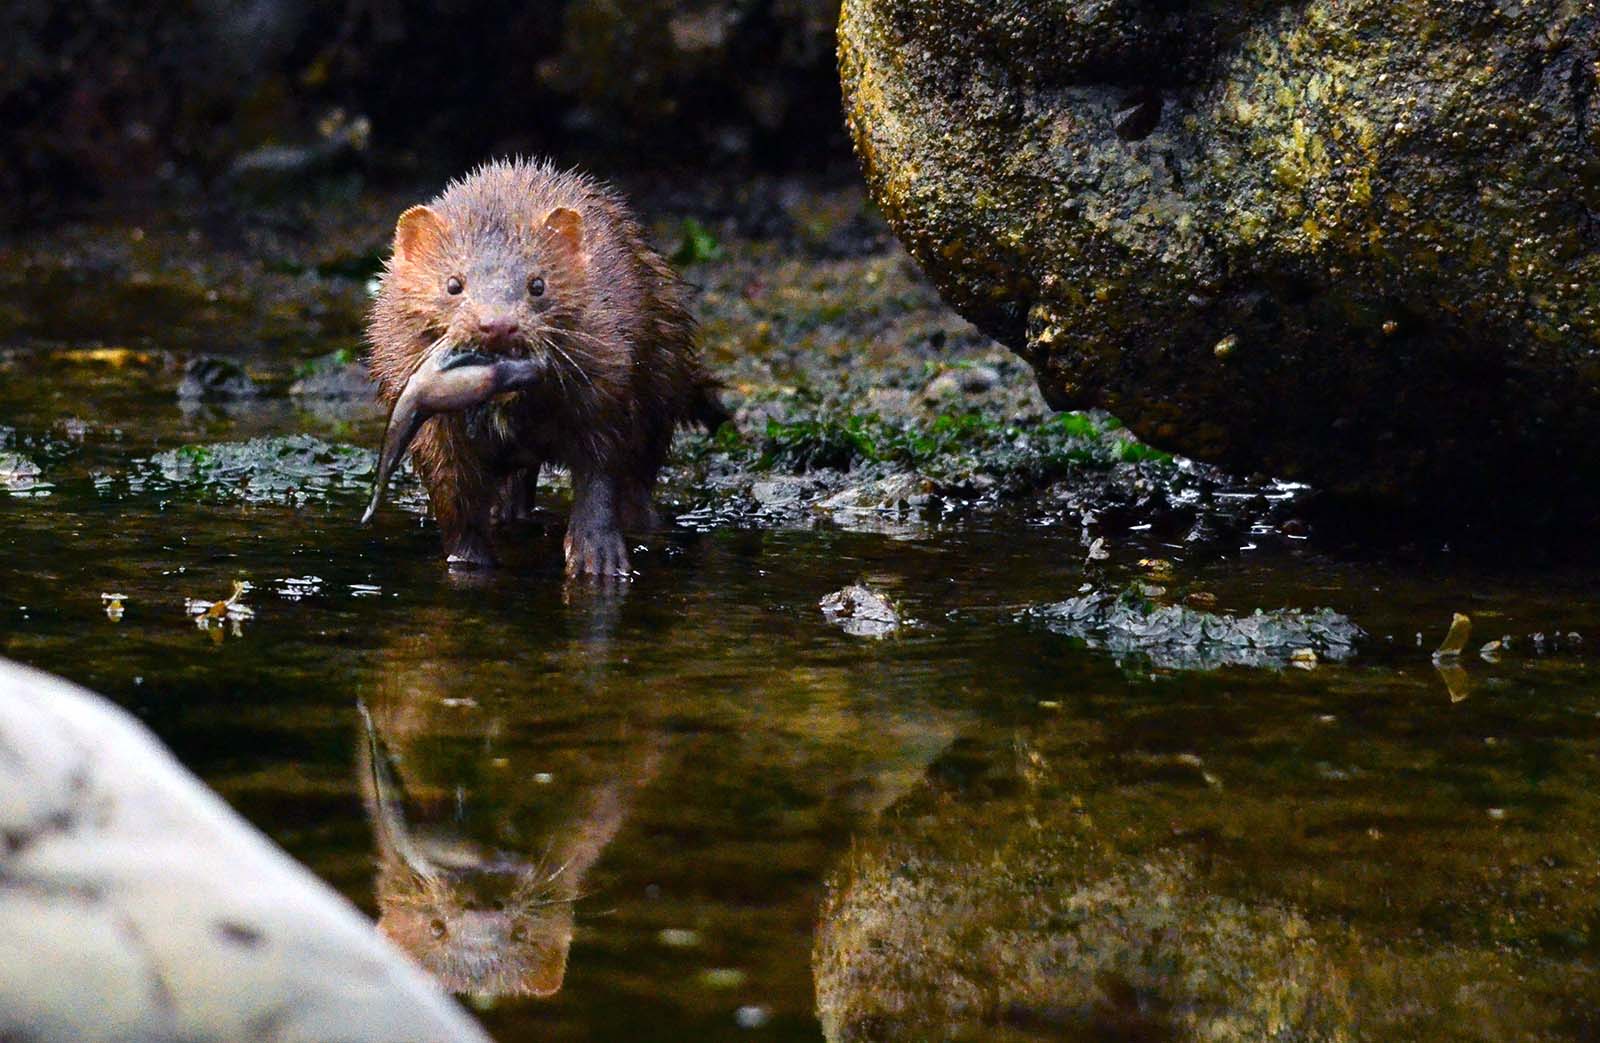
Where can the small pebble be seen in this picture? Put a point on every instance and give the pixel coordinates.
(752, 1017)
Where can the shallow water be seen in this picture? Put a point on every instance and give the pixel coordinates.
(735, 808)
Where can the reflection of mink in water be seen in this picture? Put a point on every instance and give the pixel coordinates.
(522, 260)
(483, 921)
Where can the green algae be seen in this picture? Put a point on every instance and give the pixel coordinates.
(951, 445)
(697, 245)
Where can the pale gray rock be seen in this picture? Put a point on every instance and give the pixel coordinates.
(861, 612)
(135, 905)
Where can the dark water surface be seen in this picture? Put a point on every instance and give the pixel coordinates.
(748, 820)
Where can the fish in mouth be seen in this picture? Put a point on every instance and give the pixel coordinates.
(449, 380)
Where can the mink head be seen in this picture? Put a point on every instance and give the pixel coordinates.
(487, 278)
(514, 945)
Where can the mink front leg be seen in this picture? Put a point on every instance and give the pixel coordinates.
(460, 490)
(594, 543)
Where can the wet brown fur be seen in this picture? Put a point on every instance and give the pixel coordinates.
(612, 324)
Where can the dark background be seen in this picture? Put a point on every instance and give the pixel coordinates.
(102, 100)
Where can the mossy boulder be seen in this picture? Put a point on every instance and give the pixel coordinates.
(1355, 242)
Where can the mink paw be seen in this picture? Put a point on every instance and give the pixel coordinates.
(469, 552)
(597, 553)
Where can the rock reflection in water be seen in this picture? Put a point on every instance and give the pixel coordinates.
(1037, 889)
(483, 838)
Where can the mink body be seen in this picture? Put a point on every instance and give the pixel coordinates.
(523, 260)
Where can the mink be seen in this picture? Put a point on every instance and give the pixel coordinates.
(547, 275)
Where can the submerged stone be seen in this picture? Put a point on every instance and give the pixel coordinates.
(1182, 638)
(898, 493)
(861, 611)
(338, 374)
(1349, 243)
(284, 170)
(933, 948)
(207, 378)
(955, 383)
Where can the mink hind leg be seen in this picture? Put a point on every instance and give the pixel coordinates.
(517, 494)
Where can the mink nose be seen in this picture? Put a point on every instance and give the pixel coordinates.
(497, 330)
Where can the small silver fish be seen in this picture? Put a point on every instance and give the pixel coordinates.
(448, 381)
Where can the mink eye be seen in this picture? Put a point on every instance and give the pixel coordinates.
(438, 928)
(454, 285)
(536, 286)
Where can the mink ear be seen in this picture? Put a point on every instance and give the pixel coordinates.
(566, 226)
(549, 966)
(418, 231)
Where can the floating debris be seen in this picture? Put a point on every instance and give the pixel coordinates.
(1456, 639)
(1454, 677)
(114, 606)
(1183, 638)
(297, 588)
(229, 612)
(18, 474)
(861, 612)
